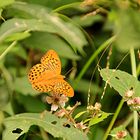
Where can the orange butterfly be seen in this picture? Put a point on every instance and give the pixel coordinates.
(46, 77)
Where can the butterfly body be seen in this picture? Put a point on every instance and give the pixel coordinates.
(46, 77)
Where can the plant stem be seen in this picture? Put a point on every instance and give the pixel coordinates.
(128, 120)
(7, 50)
(43, 134)
(133, 62)
(113, 119)
(133, 65)
(95, 54)
(8, 78)
(75, 4)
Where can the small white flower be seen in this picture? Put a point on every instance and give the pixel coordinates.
(56, 101)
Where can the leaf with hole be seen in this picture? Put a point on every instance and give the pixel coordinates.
(20, 124)
(121, 81)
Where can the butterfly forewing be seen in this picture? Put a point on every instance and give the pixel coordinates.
(51, 61)
(35, 72)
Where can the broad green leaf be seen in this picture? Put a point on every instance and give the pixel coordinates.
(87, 20)
(121, 81)
(1, 117)
(83, 86)
(118, 129)
(23, 86)
(1, 10)
(48, 122)
(98, 133)
(71, 33)
(15, 50)
(4, 96)
(8, 109)
(16, 25)
(30, 103)
(99, 118)
(79, 114)
(45, 41)
(17, 36)
(127, 29)
(6, 2)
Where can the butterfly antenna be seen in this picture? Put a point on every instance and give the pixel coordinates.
(69, 71)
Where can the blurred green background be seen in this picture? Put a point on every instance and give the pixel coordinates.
(76, 30)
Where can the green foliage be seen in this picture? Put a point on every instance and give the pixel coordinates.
(6, 2)
(97, 119)
(49, 122)
(22, 83)
(15, 25)
(86, 35)
(17, 36)
(121, 81)
(38, 38)
(68, 31)
(119, 129)
(127, 28)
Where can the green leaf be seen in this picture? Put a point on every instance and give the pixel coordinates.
(99, 118)
(79, 114)
(83, 86)
(15, 50)
(36, 41)
(88, 20)
(1, 10)
(71, 33)
(22, 85)
(120, 128)
(4, 96)
(127, 29)
(17, 36)
(30, 103)
(6, 2)
(48, 122)
(16, 25)
(121, 81)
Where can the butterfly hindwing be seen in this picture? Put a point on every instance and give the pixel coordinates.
(62, 87)
(46, 87)
(51, 61)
